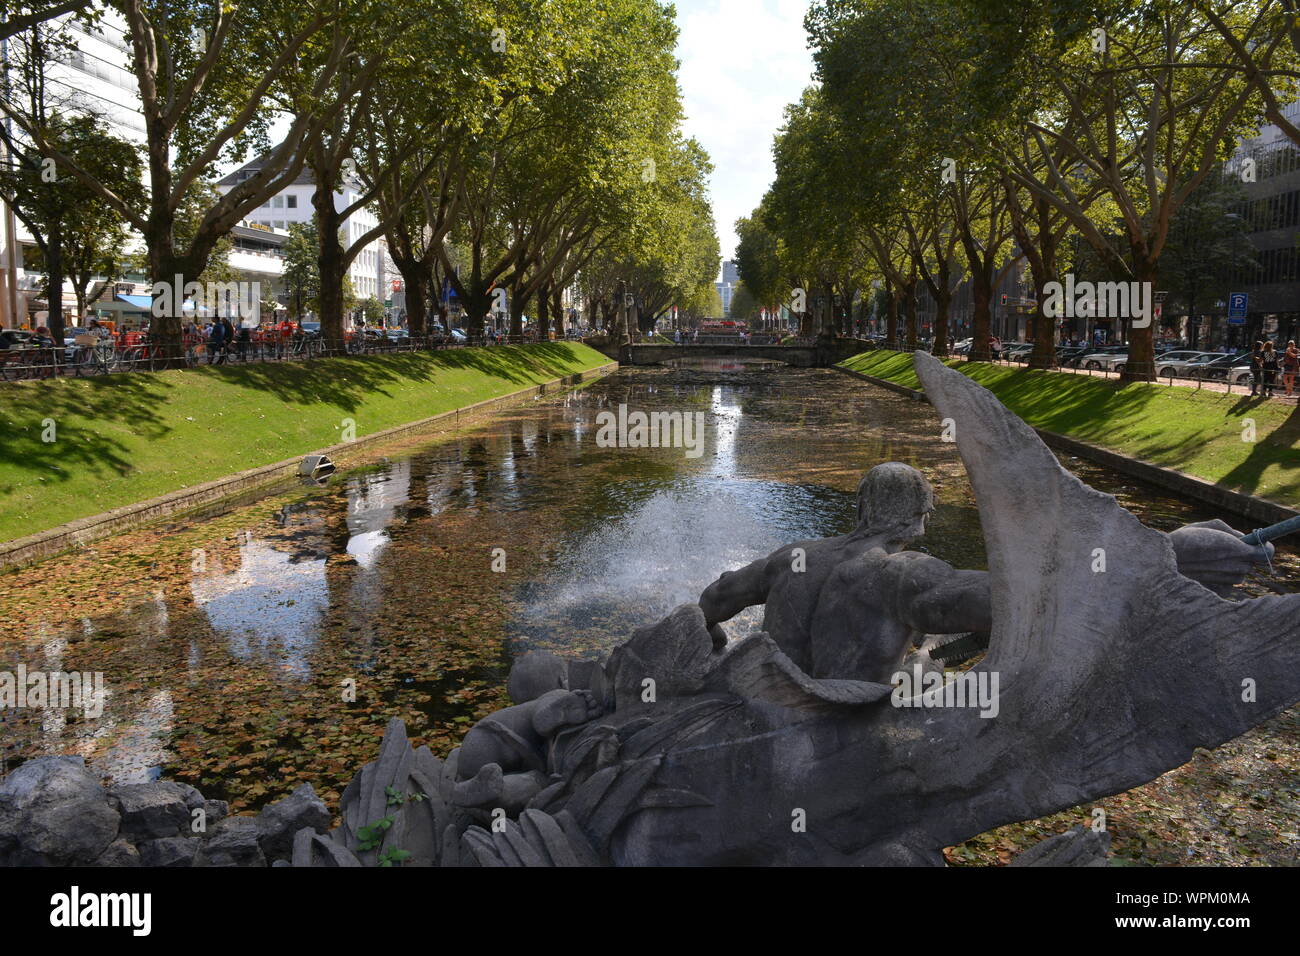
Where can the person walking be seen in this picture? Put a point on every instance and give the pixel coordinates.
(1257, 369)
(216, 340)
(1290, 367)
(1270, 365)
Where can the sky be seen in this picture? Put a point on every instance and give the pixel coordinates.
(742, 61)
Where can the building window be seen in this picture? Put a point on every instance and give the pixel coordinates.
(277, 202)
(291, 202)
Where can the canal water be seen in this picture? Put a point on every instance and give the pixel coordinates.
(266, 645)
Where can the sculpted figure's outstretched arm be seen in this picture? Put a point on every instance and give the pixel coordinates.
(734, 591)
(950, 601)
(941, 600)
(1213, 555)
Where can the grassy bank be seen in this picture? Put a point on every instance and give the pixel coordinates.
(120, 439)
(1197, 432)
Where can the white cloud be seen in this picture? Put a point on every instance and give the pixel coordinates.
(743, 61)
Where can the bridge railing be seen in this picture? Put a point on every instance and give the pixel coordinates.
(728, 340)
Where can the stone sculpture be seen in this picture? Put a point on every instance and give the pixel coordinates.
(852, 606)
(681, 750)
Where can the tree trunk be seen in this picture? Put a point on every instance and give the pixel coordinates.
(477, 302)
(891, 316)
(166, 269)
(1140, 366)
(557, 309)
(624, 334)
(909, 305)
(417, 297)
(982, 317)
(544, 312)
(54, 289)
(516, 315)
(1044, 355)
(942, 302)
(330, 262)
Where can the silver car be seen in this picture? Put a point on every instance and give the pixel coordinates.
(1173, 364)
(1111, 358)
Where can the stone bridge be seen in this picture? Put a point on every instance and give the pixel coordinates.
(820, 355)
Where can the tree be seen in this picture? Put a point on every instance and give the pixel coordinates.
(418, 81)
(76, 231)
(301, 275)
(550, 173)
(1264, 40)
(372, 311)
(207, 71)
(1149, 105)
(744, 307)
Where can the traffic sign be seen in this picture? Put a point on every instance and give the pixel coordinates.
(1237, 302)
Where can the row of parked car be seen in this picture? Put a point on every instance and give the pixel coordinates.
(436, 333)
(1170, 362)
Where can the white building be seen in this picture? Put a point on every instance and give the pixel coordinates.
(292, 204)
(91, 78)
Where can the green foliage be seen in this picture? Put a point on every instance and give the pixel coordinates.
(371, 836)
(743, 304)
(301, 274)
(759, 261)
(372, 310)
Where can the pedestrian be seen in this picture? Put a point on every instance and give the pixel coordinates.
(1290, 367)
(995, 347)
(1270, 365)
(1257, 369)
(216, 339)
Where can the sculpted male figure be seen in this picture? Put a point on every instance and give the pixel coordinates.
(852, 606)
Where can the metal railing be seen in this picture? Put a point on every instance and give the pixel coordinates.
(120, 355)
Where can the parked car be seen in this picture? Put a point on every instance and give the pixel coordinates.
(458, 337)
(1111, 358)
(1217, 369)
(1240, 374)
(311, 329)
(1175, 363)
(1016, 351)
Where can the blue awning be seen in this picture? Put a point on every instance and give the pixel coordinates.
(142, 302)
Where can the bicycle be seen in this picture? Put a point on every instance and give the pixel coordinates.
(94, 358)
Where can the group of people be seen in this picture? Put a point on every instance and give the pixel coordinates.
(1266, 362)
(222, 337)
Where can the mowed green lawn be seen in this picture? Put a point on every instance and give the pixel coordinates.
(125, 438)
(1197, 432)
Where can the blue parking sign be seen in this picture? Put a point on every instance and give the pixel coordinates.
(1237, 308)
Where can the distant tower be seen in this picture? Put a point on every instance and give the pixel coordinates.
(727, 285)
